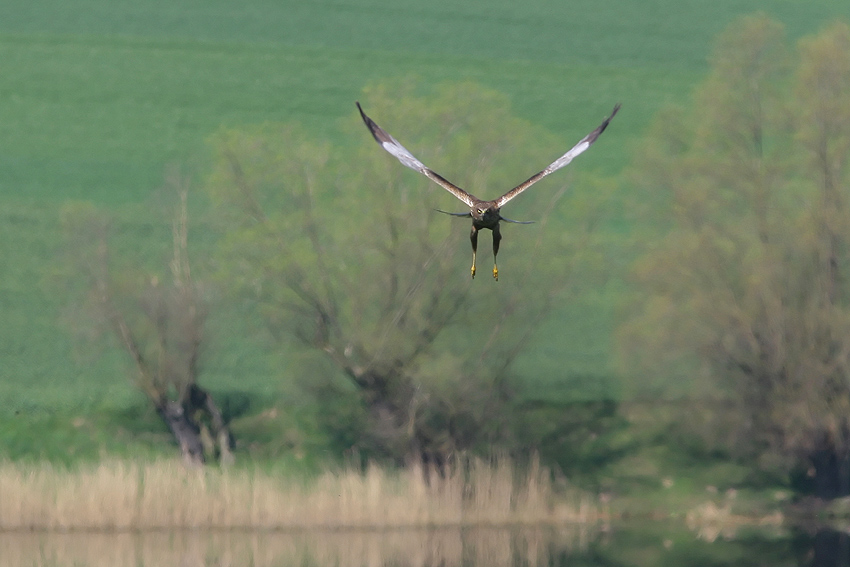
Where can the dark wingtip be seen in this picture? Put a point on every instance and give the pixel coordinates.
(612, 115)
(604, 125)
(370, 124)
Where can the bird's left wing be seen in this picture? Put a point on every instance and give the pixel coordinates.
(583, 144)
(407, 159)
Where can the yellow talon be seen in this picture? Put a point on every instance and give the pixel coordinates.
(473, 271)
(496, 272)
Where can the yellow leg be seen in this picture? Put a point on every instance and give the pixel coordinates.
(497, 237)
(473, 237)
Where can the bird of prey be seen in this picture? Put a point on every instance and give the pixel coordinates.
(485, 214)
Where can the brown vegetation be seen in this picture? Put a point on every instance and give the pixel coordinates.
(136, 496)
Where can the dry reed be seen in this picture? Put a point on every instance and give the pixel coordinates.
(123, 495)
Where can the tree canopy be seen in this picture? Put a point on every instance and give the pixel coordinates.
(342, 249)
(744, 294)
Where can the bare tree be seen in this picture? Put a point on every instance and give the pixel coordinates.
(158, 324)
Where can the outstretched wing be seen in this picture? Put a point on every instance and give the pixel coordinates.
(558, 163)
(406, 158)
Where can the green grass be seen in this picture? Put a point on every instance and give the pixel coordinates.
(99, 119)
(662, 33)
(98, 97)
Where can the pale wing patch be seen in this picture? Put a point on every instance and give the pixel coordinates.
(403, 155)
(565, 159)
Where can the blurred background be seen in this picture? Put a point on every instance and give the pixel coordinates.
(192, 213)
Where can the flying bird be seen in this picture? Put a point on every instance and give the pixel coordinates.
(485, 214)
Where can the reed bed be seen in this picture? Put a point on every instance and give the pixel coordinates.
(124, 496)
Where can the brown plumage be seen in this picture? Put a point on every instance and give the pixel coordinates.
(485, 214)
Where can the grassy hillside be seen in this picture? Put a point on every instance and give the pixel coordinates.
(97, 97)
(631, 33)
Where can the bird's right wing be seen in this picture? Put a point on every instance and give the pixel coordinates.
(407, 159)
(565, 159)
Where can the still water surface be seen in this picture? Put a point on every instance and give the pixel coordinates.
(637, 544)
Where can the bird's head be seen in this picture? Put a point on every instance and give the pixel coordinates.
(484, 212)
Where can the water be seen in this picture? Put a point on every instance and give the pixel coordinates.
(637, 544)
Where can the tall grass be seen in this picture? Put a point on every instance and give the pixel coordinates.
(122, 495)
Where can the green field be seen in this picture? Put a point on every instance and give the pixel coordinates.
(98, 98)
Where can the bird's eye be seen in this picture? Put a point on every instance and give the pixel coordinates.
(480, 211)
